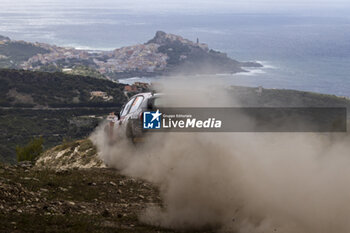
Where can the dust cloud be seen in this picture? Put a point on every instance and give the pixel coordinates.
(238, 182)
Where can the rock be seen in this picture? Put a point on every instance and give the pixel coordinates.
(71, 203)
(112, 183)
(25, 164)
(64, 159)
(44, 190)
(92, 183)
(142, 197)
(63, 189)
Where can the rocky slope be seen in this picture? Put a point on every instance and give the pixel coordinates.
(81, 154)
(85, 200)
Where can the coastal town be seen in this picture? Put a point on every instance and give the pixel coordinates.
(159, 56)
(140, 57)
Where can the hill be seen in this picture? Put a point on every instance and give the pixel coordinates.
(42, 89)
(185, 56)
(56, 106)
(14, 53)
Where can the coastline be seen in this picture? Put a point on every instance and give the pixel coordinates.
(235, 79)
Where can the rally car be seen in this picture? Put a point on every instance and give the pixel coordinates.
(128, 123)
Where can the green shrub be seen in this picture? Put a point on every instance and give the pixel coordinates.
(30, 151)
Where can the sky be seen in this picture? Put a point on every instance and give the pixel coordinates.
(186, 6)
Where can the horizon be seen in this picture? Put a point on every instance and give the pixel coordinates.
(309, 7)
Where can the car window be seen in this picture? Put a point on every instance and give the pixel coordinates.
(126, 108)
(135, 105)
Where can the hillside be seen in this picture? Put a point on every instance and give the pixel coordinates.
(187, 57)
(89, 200)
(42, 89)
(60, 107)
(261, 97)
(56, 106)
(70, 188)
(14, 53)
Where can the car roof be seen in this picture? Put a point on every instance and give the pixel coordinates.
(147, 94)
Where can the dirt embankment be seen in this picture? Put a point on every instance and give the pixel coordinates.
(84, 196)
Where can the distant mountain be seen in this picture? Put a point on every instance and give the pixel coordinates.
(163, 55)
(15, 53)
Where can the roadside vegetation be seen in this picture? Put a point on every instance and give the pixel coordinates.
(31, 151)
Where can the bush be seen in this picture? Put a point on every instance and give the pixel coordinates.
(30, 151)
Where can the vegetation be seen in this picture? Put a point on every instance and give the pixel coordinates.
(250, 97)
(31, 151)
(29, 89)
(73, 114)
(64, 108)
(174, 50)
(85, 71)
(20, 125)
(187, 59)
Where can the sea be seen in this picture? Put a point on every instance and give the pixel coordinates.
(309, 52)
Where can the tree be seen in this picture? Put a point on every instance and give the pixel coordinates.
(30, 151)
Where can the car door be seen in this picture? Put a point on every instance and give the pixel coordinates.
(121, 124)
(135, 116)
(135, 107)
